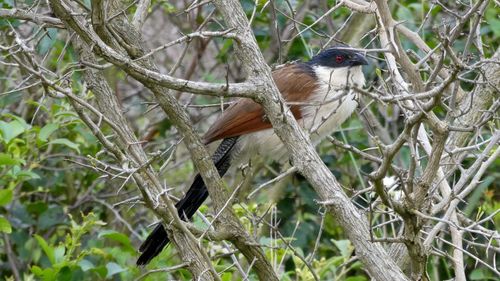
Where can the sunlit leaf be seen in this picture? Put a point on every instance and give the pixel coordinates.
(7, 160)
(5, 225)
(47, 249)
(5, 196)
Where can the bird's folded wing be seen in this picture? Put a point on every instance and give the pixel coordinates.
(296, 83)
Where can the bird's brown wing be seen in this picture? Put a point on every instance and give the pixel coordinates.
(296, 83)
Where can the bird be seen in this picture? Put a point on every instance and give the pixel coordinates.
(319, 93)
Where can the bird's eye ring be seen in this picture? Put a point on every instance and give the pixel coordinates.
(339, 59)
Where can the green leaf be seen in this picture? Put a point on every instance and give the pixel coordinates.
(28, 175)
(37, 207)
(7, 160)
(477, 274)
(65, 274)
(53, 216)
(5, 225)
(493, 21)
(21, 121)
(8, 3)
(19, 212)
(48, 42)
(38, 105)
(13, 97)
(5, 196)
(47, 274)
(67, 143)
(11, 130)
(474, 200)
(59, 253)
(101, 270)
(47, 249)
(344, 246)
(113, 268)
(118, 237)
(66, 114)
(86, 265)
(482, 274)
(46, 131)
(36, 270)
(404, 13)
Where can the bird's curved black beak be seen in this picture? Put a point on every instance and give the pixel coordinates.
(359, 59)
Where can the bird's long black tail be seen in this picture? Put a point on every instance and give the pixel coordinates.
(188, 205)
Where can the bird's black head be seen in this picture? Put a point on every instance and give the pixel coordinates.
(338, 57)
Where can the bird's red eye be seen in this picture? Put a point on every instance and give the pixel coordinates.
(339, 59)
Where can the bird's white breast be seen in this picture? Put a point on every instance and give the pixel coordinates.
(331, 104)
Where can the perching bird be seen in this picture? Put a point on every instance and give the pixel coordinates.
(319, 96)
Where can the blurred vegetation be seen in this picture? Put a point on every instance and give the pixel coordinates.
(61, 220)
